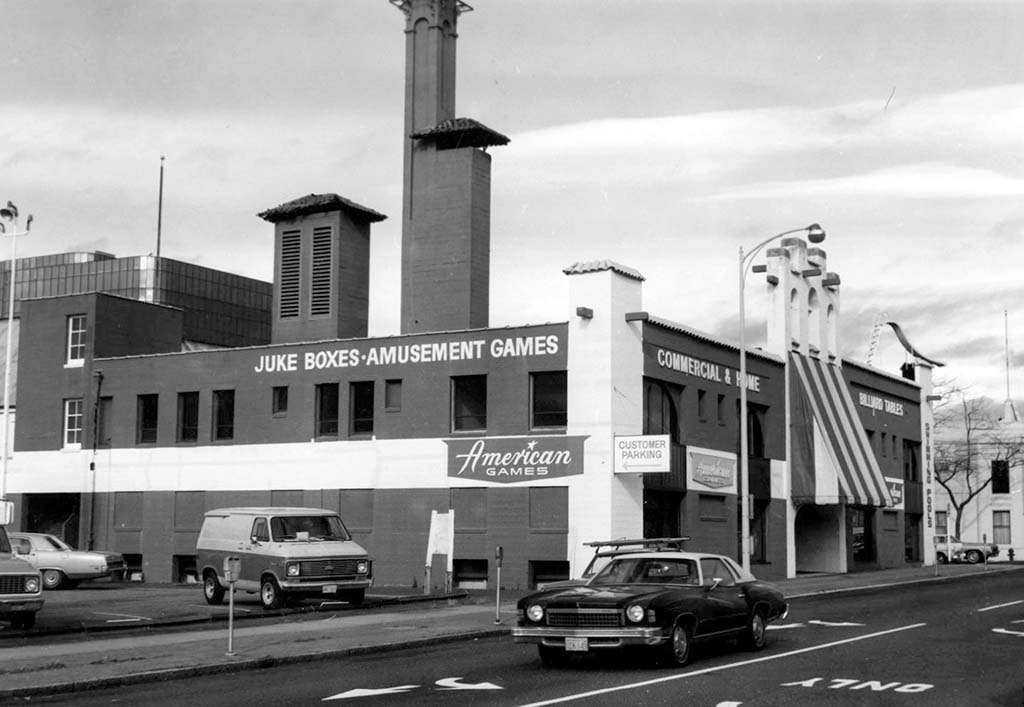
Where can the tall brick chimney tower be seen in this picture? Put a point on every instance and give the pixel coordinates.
(446, 209)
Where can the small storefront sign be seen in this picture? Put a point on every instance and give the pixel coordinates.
(895, 487)
(642, 454)
(510, 460)
(711, 470)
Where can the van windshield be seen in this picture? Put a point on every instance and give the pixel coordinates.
(310, 527)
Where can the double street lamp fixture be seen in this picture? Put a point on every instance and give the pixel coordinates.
(9, 227)
(815, 234)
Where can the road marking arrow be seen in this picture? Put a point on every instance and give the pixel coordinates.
(360, 692)
(454, 684)
(832, 623)
(1008, 631)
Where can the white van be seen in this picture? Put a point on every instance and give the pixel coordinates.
(284, 552)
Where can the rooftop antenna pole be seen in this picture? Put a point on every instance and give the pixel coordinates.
(1009, 410)
(160, 207)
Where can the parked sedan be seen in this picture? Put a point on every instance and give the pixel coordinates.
(62, 565)
(665, 600)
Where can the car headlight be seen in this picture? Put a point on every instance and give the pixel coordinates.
(635, 613)
(535, 612)
(361, 567)
(32, 584)
(292, 570)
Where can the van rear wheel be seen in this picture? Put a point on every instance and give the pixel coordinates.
(212, 591)
(270, 593)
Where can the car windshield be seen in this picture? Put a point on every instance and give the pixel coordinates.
(308, 528)
(648, 570)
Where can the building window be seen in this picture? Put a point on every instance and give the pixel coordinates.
(911, 461)
(711, 507)
(290, 274)
(469, 403)
(188, 417)
(76, 339)
(1000, 476)
(393, 395)
(885, 445)
(941, 523)
(223, 415)
(1001, 527)
(320, 273)
(720, 412)
(146, 419)
(361, 408)
(549, 399)
(104, 425)
(327, 410)
(702, 405)
(73, 423)
(279, 400)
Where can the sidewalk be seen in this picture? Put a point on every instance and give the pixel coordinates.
(78, 663)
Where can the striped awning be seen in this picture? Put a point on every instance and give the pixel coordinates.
(860, 479)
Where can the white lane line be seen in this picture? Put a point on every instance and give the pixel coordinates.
(717, 668)
(1002, 606)
(127, 617)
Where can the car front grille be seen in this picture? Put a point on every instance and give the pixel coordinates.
(14, 584)
(328, 568)
(584, 618)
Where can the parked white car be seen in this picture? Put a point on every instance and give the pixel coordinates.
(62, 565)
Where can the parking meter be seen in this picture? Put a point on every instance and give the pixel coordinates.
(232, 570)
(499, 555)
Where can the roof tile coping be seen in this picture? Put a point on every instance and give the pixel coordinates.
(601, 265)
(461, 132)
(318, 203)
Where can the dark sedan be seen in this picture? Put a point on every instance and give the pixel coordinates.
(665, 601)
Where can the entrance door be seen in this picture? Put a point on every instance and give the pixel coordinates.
(54, 513)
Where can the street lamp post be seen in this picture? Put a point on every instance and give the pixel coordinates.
(815, 234)
(9, 227)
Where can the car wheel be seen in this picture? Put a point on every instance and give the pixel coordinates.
(973, 557)
(677, 650)
(53, 579)
(941, 558)
(551, 656)
(757, 632)
(23, 620)
(270, 593)
(354, 596)
(212, 591)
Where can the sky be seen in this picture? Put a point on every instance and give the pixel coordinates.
(662, 134)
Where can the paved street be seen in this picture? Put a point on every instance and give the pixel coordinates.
(955, 632)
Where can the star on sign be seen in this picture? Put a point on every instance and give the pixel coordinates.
(531, 444)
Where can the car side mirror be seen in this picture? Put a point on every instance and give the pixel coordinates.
(715, 581)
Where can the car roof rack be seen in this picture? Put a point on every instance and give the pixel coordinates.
(653, 543)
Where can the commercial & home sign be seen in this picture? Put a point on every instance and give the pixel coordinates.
(510, 460)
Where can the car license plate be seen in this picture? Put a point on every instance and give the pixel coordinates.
(575, 644)
(330, 589)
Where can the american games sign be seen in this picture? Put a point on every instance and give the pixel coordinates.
(509, 460)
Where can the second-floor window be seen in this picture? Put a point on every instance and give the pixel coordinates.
(549, 400)
(146, 419)
(469, 403)
(73, 422)
(279, 400)
(1000, 476)
(188, 417)
(76, 339)
(361, 408)
(223, 415)
(105, 424)
(327, 410)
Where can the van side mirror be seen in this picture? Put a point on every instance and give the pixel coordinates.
(254, 539)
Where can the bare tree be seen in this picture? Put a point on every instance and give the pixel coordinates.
(969, 437)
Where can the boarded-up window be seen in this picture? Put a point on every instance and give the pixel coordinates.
(549, 509)
(290, 275)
